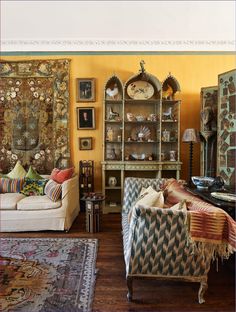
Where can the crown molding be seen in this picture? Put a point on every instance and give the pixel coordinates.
(117, 45)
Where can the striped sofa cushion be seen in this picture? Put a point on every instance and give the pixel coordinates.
(53, 190)
(11, 185)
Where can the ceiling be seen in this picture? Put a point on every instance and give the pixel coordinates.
(117, 25)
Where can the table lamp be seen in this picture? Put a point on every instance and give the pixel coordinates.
(190, 136)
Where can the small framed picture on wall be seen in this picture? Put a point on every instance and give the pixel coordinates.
(85, 118)
(85, 143)
(85, 90)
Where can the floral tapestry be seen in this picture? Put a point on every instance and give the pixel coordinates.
(34, 114)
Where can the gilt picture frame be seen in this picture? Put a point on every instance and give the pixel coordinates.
(85, 90)
(85, 143)
(85, 118)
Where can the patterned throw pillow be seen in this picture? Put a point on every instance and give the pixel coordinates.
(149, 198)
(60, 176)
(33, 174)
(53, 190)
(11, 185)
(18, 172)
(34, 187)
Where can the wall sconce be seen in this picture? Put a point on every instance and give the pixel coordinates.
(190, 136)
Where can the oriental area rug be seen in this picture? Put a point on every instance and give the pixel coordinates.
(47, 274)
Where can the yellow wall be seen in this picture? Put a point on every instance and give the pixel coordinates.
(192, 71)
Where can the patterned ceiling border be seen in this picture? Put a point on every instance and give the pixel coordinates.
(118, 45)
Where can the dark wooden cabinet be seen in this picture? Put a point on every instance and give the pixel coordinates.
(86, 180)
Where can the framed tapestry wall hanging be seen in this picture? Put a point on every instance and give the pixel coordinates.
(34, 114)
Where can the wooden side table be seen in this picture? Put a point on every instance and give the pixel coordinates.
(93, 207)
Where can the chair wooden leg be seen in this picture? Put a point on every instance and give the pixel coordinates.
(203, 287)
(130, 288)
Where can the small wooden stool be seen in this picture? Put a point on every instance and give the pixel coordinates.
(93, 206)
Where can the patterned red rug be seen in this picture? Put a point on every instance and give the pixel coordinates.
(47, 274)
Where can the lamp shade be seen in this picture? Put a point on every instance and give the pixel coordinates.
(190, 135)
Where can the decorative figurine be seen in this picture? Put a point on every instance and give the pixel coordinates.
(166, 136)
(167, 115)
(112, 181)
(110, 134)
(163, 156)
(172, 155)
(112, 92)
(152, 117)
(207, 116)
(140, 118)
(168, 93)
(130, 117)
(142, 70)
(112, 115)
(111, 154)
(140, 136)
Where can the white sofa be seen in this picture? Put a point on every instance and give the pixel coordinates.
(20, 213)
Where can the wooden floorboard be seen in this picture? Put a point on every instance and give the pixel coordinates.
(151, 295)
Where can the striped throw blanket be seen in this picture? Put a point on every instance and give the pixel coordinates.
(208, 225)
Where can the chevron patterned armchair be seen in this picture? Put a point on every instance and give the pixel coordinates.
(156, 242)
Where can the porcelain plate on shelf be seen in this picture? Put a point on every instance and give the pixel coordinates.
(140, 90)
(224, 196)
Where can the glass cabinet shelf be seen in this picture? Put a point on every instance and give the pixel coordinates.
(112, 102)
(169, 121)
(141, 142)
(163, 142)
(143, 102)
(112, 187)
(141, 122)
(114, 121)
(169, 102)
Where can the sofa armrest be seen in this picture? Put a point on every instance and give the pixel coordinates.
(158, 244)
(70, 195)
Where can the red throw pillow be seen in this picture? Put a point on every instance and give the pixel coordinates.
(60, 176)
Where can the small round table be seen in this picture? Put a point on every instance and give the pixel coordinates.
(93, 207)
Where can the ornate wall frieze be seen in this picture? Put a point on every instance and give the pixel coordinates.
(118, 45)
